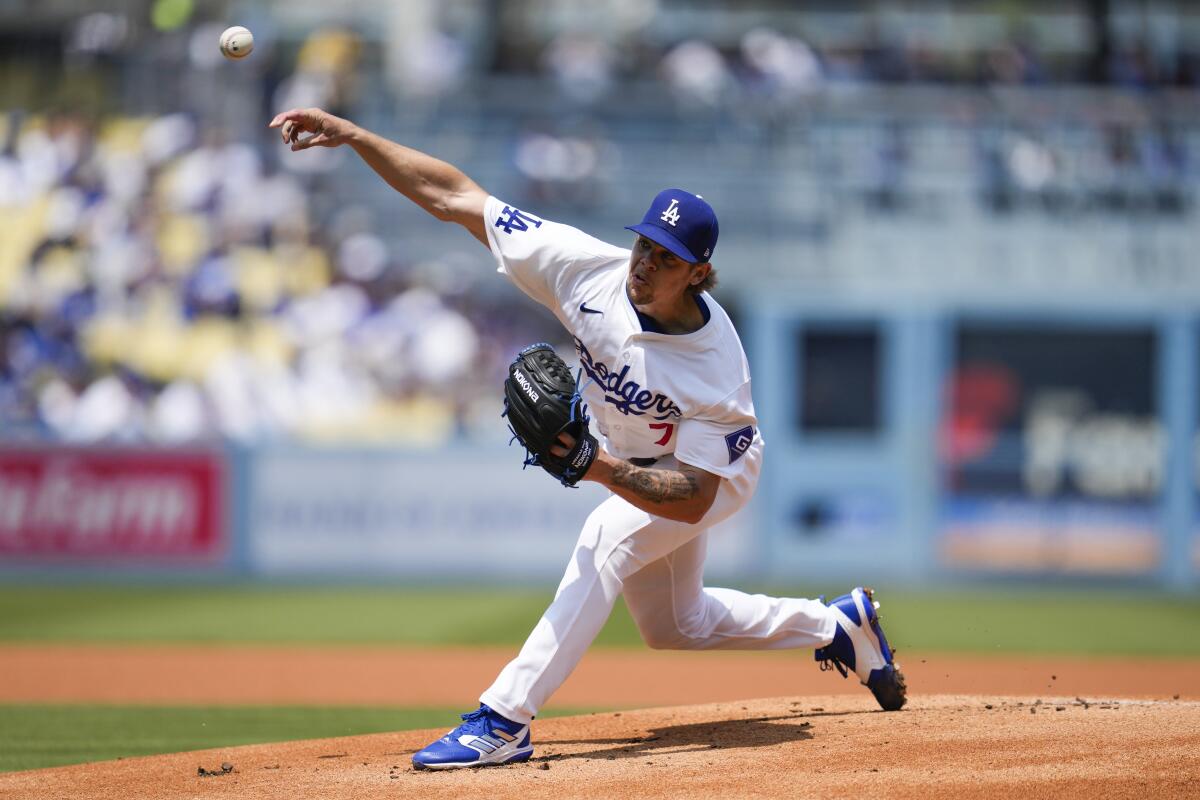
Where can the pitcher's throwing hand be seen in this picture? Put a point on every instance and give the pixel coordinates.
(324, 129)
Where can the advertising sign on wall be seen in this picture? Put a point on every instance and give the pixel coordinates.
(112, 505)
(468, 511)
(1052, 448)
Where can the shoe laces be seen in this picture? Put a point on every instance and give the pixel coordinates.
(830, 662)
(477, 722)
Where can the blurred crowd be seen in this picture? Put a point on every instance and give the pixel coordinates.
(1123, 169)
(159, 283)
(769, 84)
(772, 64)
(163, 281)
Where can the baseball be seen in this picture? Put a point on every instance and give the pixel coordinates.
(237, 42)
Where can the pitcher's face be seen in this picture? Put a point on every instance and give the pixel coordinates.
(657, 274)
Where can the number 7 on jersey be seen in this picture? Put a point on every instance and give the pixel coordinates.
(669, 427)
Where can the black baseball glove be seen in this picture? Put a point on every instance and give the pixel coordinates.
(541, 400)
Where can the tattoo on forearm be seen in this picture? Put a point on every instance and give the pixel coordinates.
(656, 485)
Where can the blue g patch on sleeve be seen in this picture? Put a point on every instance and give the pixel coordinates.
(739, 442)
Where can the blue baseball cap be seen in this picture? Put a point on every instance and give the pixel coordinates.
(682, 222)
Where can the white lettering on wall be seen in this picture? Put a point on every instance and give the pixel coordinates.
(1103, 454)
(80, 510)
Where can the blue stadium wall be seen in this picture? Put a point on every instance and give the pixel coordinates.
(907, 461)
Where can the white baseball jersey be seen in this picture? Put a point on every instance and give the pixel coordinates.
(649, 393)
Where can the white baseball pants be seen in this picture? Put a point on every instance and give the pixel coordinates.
(659, 566)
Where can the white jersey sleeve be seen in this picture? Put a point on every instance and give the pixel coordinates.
(541, 257)
(716, 438)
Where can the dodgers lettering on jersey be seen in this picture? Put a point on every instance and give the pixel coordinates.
(626, 395)
(650, 394)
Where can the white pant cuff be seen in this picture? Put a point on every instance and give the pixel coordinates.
(505, 710)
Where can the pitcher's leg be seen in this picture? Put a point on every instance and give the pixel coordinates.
(673, 610)
(616, 540)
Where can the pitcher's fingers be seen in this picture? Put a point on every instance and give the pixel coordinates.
(283, 116)
(292, 130)
(311, 141)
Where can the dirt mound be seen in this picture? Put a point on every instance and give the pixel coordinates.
(835, 746)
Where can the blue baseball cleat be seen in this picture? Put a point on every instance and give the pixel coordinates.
(859, 645)
(484, 739)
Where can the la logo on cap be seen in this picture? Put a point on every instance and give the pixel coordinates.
(681, 222)
(671, 215)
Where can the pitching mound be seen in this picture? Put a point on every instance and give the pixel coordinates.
(950, 746)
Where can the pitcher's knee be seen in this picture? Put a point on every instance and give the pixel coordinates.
(664, 639)
(671, 636)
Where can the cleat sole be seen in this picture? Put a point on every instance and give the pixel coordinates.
(517, 758)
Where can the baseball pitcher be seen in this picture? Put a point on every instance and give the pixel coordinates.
(661, 416)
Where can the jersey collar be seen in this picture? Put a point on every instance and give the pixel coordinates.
(649, 324)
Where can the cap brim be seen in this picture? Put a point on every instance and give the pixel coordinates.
(664, 238)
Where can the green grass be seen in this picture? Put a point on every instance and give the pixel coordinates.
(268, 614)
(36, 736)
(1011, 621)
(1040, 622)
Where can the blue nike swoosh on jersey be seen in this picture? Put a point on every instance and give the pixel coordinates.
(583, 307)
